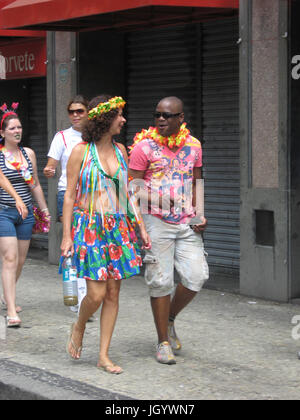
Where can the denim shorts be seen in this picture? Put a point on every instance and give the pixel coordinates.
(12, 224)
(60, 203)
(173, 246)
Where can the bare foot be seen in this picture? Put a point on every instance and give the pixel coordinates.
(74, 344)
(108, 366)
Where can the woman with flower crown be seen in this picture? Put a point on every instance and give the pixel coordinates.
(98, 223)
(19, 165)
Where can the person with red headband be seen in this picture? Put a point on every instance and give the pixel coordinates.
(19, 166)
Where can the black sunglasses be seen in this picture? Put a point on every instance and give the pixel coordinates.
(78, 111)
(166, 115)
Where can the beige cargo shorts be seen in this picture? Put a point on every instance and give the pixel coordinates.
(173, 246)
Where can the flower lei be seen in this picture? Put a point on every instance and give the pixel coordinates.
(171, 141)
(25, 172)
(104, 107)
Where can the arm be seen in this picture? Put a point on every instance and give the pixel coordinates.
(197, 175)
(6, 185)
(73, 170)
(37, 191)
(143, 232)
(50, 168)
(55, 154)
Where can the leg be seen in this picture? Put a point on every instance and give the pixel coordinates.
(159, 276)
(161, 312)
(159, 273)
(181, 299)
(96, 292)
(9, 257)
(109, 316)
(23, 247)
(191, 265)
(190, 262)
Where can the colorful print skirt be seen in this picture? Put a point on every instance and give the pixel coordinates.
(104, 252)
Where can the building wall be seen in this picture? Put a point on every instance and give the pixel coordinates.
(294, 61)
(264, 270)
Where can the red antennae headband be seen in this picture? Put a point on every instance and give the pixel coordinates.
(7, 112)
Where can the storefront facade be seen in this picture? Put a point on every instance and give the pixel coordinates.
(23, 80)
(232, 67)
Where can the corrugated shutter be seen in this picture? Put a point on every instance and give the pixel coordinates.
(37, 139)
(198, 63)
(220, 131)
(37, 124)
(161, 62)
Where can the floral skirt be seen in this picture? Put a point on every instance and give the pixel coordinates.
(103, 252)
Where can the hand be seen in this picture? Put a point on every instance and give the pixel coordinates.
(22, 209)
(145, 239)
(200, 228)
(49, 172)
(66, 247)
(46, 213)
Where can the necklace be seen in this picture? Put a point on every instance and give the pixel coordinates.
(171, 141)
(19, 166)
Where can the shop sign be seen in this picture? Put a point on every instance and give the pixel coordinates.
(24, 60)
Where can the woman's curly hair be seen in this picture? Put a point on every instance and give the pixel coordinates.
(95, 129)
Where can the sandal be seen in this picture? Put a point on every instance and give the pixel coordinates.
(70, 342)
(112, 369)
(13, 322)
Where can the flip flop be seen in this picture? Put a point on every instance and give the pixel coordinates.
(13, 322)
(111, 369)
(71, 342)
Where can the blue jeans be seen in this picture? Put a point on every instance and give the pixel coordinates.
(12, 224)
(60, 203)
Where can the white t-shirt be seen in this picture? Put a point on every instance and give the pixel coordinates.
(61, 149)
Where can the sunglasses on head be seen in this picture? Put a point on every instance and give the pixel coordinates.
(78, 111)
(165, 115)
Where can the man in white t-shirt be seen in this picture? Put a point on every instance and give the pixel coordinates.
(62, 146)
(60, 151)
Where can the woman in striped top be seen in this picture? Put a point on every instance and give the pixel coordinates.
(6, 185)
(19, 166)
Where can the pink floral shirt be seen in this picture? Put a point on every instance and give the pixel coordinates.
(169, 174)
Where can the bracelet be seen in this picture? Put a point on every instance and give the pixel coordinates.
(44, 210)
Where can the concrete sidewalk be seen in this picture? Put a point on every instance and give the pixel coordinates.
(234, 347)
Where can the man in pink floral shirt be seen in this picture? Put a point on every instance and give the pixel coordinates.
(169, 161)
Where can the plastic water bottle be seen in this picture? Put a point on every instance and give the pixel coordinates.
(70, 289)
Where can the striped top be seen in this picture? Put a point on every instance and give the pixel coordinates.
(17, 181)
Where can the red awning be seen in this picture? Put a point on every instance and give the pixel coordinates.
(87, 14)
(22, 34)
(18, 33)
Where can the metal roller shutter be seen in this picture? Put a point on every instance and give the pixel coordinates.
(199, 64)
(37, 138)
(220, 131)
(37, 123)
(161, 62)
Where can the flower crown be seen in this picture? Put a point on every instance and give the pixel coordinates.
(104, 107)
(6, 112)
